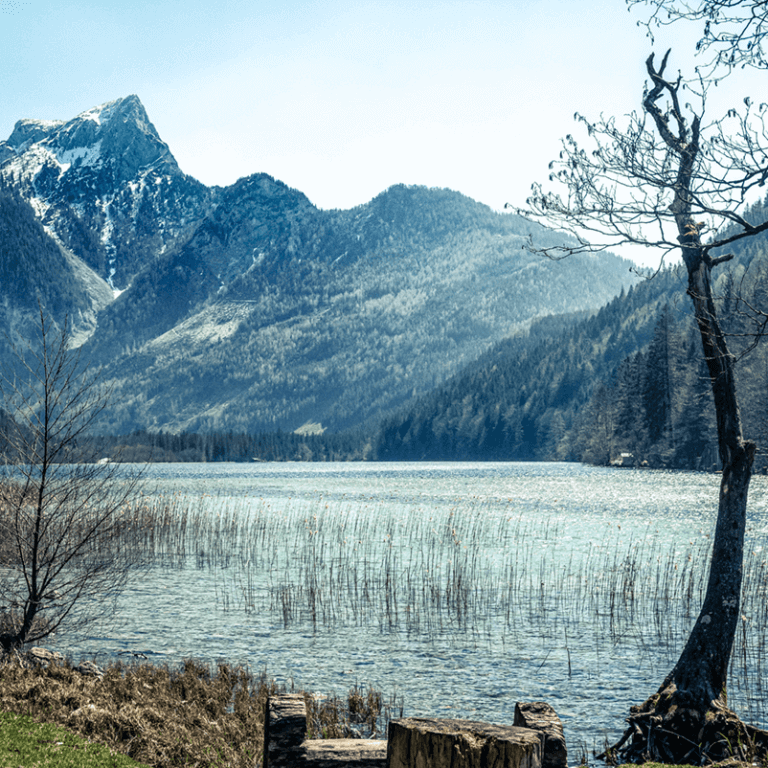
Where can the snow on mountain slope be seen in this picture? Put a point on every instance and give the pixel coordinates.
(106, 185)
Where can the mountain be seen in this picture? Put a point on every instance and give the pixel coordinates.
(38, 271)
(247, 308)
(105, 185)
(275, 314)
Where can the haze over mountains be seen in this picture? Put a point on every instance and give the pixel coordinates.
(247, 308)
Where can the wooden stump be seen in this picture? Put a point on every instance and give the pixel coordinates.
(285, 726)
(428, 743)
(539, 716)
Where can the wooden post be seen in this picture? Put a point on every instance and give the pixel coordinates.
(285, 726)
(539, 716)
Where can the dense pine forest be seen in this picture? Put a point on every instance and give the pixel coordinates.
(526, 399)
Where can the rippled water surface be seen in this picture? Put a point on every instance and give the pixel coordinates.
(462, 587)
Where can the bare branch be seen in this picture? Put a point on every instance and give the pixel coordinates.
(733, 32)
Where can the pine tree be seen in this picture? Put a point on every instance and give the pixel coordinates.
(658, 385)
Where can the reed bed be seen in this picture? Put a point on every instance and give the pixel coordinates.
(475, 567)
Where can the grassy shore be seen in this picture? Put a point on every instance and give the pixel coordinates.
(27, 743)
(192, 715)
(149, 716)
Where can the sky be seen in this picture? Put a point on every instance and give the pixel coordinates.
(338, 99)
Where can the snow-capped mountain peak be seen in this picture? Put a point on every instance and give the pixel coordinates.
(103, 171)
(28, 131)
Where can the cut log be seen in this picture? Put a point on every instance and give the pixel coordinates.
(539, 716)
(285, 726)
(344, 753)
(416, 742)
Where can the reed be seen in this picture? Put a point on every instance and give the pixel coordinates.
(473, 566)
(363, 713)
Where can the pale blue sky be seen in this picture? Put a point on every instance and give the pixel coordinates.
(339, 99)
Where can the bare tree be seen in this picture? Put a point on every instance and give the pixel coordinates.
(62, 513)
(667, 178)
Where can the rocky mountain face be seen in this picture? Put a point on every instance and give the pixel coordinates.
(37, 271)
(247, 308)
(106, 186)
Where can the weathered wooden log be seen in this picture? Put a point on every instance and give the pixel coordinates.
(428, 743)
(539, 716)
(344, 753)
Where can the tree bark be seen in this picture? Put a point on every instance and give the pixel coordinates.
(688, 719)
(702, 667)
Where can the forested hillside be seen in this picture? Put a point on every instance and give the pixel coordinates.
(658, 405)
(627, 385)
(522, 398)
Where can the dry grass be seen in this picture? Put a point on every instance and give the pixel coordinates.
(364, 713)
(189, 716)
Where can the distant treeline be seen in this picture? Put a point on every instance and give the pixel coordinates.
(626, 386)
(142, 446)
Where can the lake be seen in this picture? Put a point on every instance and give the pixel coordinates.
(461, 587)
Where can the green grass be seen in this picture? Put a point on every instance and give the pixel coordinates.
(23, 742)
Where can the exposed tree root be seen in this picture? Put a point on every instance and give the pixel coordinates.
(669, 728)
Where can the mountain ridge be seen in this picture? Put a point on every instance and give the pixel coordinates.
(98, 183)
(247, 307)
